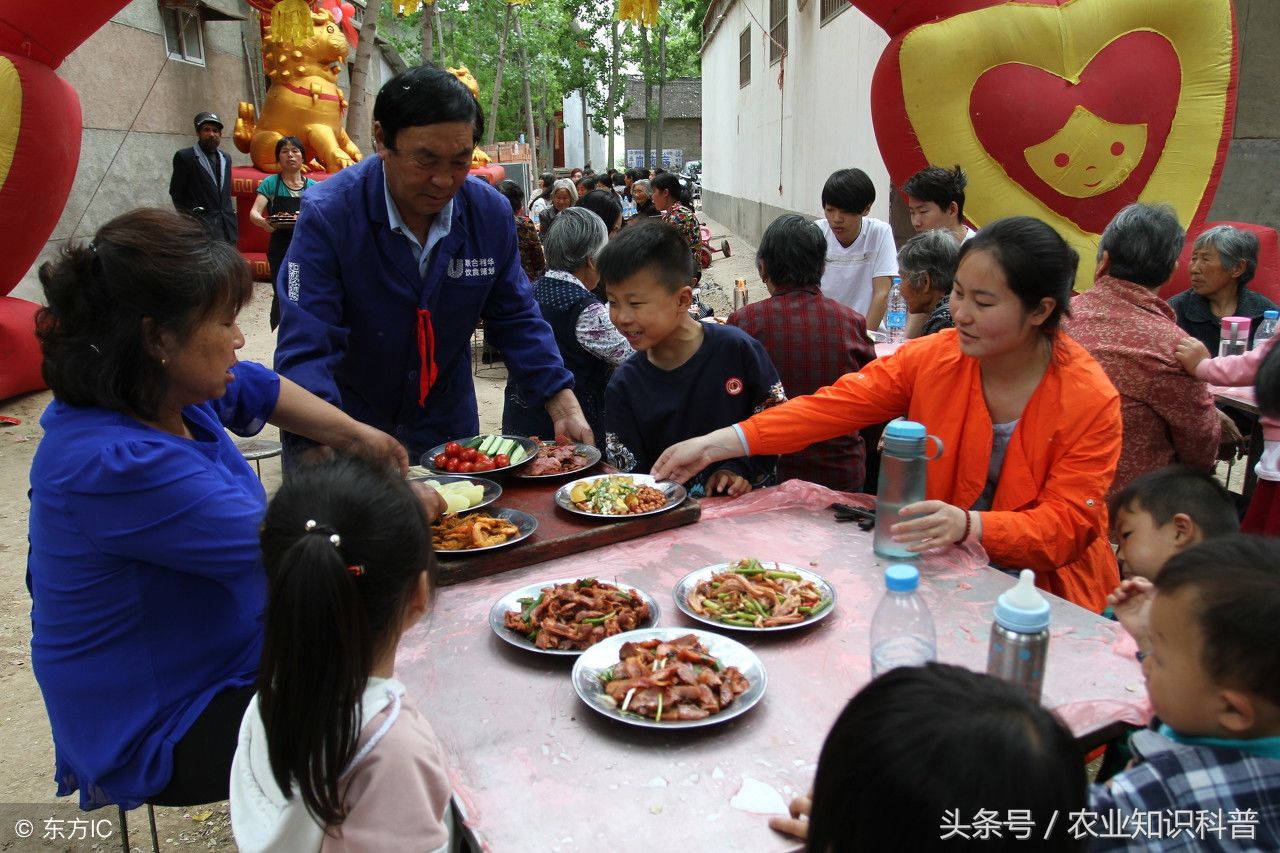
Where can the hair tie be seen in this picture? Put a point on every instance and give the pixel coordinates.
(93, 247)
(334, 538)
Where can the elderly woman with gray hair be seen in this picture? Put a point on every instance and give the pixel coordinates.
(1223, 261)
(563, 194)
(589, 344)
(927, 265)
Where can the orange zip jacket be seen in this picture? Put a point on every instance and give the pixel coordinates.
(1049, 512)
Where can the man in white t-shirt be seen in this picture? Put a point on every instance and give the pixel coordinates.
(861, 256)
(935, 199)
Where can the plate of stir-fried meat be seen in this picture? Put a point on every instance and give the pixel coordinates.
(559, 457)
(662, 678)
(474, 532)
(755, 595)
(564, 617)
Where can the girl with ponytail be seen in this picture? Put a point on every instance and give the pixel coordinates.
(332, 753)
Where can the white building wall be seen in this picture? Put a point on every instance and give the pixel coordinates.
(597, 142)
(766, 150)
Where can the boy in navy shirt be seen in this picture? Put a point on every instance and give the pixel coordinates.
(686, 377)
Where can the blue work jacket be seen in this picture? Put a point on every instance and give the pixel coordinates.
(352, 324)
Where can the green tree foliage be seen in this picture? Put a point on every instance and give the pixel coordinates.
(567, 46)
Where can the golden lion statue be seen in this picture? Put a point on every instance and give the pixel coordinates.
(478, 157)
(303, 101)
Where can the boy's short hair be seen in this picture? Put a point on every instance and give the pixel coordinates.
(1164, 493)
(940, 186)
(850, 190)
(793, 253)
(654, 245)
(1237, 584)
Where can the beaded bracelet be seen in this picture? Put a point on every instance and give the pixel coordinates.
(968, 526)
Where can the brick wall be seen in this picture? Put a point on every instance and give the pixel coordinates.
(684, 133)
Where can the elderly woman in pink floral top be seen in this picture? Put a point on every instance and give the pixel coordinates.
(1168, 416)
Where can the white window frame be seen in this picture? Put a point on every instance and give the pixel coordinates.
(178, 24)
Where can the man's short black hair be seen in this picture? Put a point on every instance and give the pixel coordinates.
(792, 253)
(654, 245)
(1236, 580)
(425, 95)
(940, 186)
(850, 190)
(1177, 489)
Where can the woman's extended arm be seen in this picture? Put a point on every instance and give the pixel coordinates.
(255, 214)
(301, 412)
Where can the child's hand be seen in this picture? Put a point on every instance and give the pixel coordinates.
(1189, 353)
(1131, 602)
(725, 482)
(798, 823)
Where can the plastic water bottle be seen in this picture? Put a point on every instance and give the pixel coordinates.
(1020, 636)
(902, 630)
(895, 317)
(1267, 328)
(903, 477)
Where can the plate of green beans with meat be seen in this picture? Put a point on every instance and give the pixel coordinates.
(755, 595)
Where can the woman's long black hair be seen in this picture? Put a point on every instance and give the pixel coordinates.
(345, 543)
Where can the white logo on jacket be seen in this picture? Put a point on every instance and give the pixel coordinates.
(471, 267)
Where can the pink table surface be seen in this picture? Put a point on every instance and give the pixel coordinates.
(534, 769)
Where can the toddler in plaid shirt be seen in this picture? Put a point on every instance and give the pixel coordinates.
(1209, 779)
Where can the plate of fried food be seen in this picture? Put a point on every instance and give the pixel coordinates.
(476, 532)
(566, 616)
(558, 458)
(755, 595)
(667, 679)
(619, 496)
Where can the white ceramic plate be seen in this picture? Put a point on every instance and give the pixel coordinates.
(687, 584)
(674, 491)
(530, 448)
(492, 491)
(526, 523)
(604, 654)
(511, 601)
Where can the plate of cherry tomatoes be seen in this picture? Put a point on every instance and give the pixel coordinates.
(481, 454)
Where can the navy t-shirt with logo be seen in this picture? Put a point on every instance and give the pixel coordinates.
(648, 409)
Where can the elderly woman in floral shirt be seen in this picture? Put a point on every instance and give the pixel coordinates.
(527, 242)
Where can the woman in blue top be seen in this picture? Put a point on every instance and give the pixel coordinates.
(145, 575)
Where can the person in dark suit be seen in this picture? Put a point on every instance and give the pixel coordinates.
(201, 182)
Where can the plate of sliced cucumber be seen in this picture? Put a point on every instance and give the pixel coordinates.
(460, 491)
(481, 454)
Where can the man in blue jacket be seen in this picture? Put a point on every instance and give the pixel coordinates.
(394, 262)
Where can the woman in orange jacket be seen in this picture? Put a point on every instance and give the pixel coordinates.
(1029, 421)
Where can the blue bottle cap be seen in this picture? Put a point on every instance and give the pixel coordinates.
(901, 577)
(1271, 314)
(909, 430)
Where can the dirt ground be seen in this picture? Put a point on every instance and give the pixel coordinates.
(26, 750)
